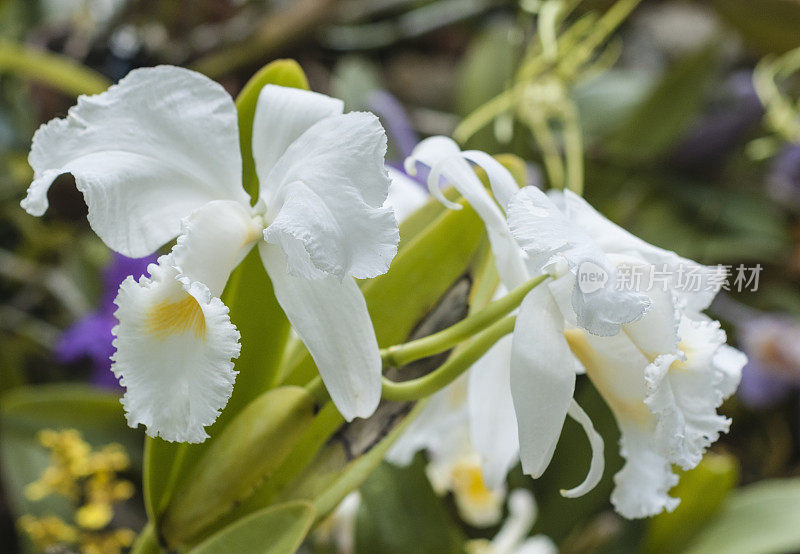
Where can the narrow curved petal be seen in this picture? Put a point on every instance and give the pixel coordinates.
(331, 318)
(213, 240)
(446, 160)
(328, 212)
(145, 154)
(598, 463)
(282, 115)
(492, 421)
(542, 379)
(174, 350)
(504, 186)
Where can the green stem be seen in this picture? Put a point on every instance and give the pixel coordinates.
(448, 372)
(402, 354)
(573, 148)
(60, 72)
(316, 388)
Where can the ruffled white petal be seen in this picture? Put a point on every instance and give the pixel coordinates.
(598, 462)
(405, 194)
(213, 240)
(616, 368)
(492, 421)
(643, 483)
(330, 316)
(174, 347)
(327, 212)
(729, 362)
(282, 115)
(145, 154)
(685, 392)
(445, 159)
(542, 379)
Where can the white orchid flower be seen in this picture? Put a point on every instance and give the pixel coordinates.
(442, 429)
(513, 535)
(157, 156)
(663, 376)
(661, 365)
(498, 425)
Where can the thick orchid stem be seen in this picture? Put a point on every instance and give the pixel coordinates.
(448, 372)
(400, 355)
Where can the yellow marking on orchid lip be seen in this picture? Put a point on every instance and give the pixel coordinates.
(469, 485)
(177, 317)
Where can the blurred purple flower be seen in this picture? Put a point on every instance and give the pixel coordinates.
(90, 337)
(396, 120)
(772, 345)
(783, 183)
(712, 137)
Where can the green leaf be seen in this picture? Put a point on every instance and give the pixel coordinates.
(244, 454)
(24, 411)
(60, 72)
(275, 530)
(702, 491)
(253, 309)
(420, 274)
(286, 73)
(656, 124)
(399, 512)
(757, 519)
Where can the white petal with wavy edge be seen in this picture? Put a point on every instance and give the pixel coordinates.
(213, 240)
(445, 159)
(542, 379)
(643, 483)
(684, 393)
(145, 154)
(492, 420)
(174, 347)
(282, 115)
(328, 212)
(331, 317)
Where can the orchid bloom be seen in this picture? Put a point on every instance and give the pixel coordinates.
(442, 429)
(661, 365)
(157, 157)
(494, 417)
(663, 376)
